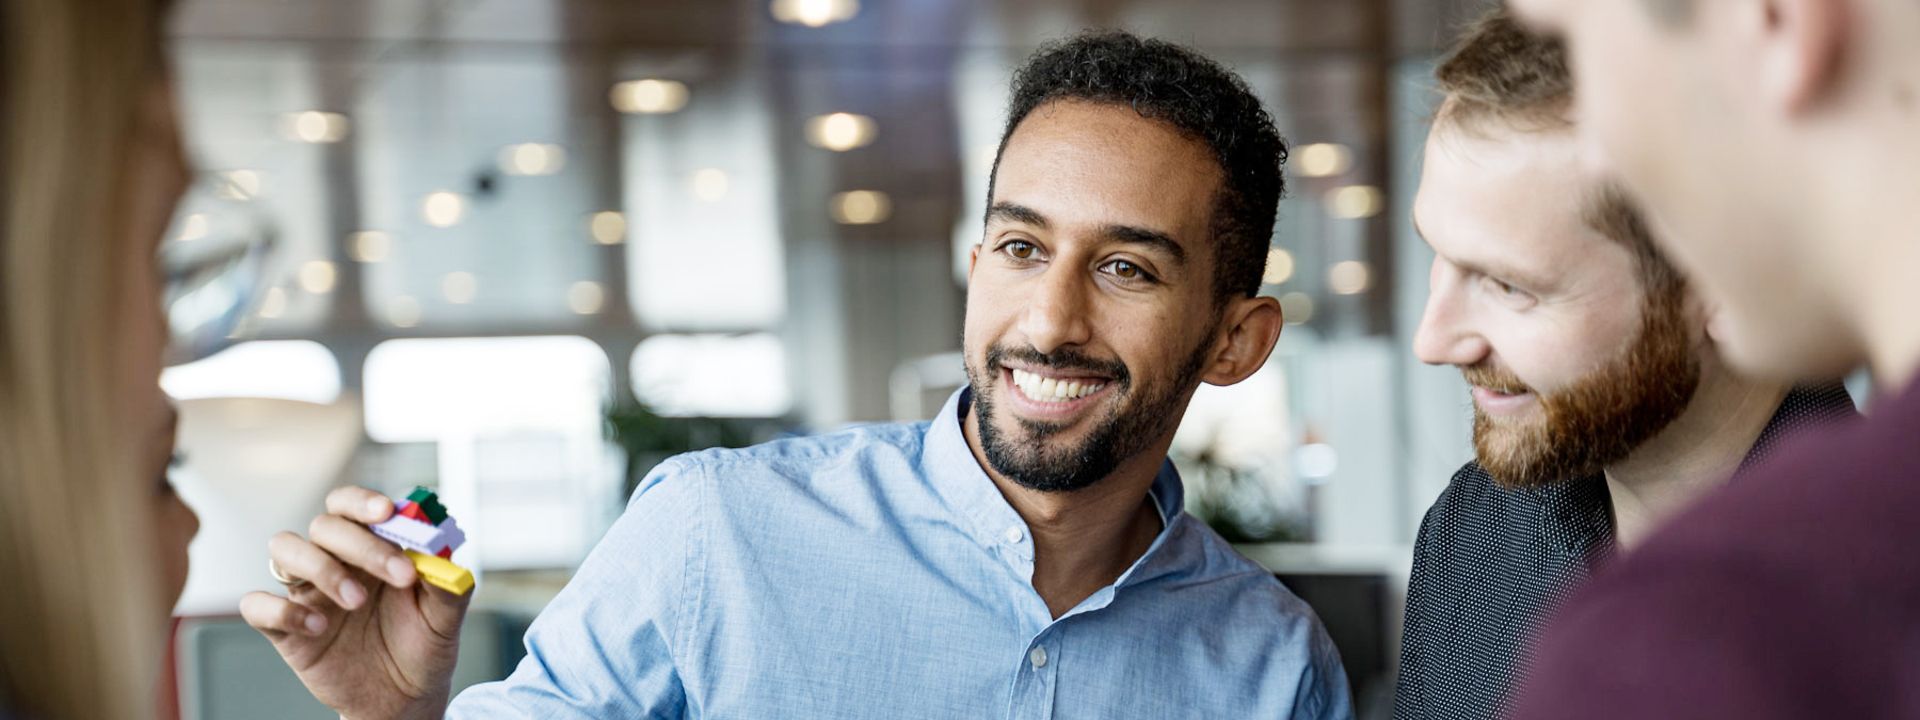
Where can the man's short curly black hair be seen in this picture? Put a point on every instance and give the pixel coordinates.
(1180, 87)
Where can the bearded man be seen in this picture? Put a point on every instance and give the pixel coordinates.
(1601, 406)
(1022, 555)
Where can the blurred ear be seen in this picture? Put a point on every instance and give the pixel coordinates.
(1802, 45)
(1248, 330)
(1716, 322)
(973, 260)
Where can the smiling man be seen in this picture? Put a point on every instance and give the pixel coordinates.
(1601, 405)
(1023, 555)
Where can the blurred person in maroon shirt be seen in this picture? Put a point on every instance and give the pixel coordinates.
(1772, 144)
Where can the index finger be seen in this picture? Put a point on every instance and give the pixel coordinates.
(359, 504)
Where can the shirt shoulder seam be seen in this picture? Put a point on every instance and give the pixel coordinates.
(692, 576)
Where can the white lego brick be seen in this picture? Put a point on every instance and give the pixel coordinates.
(409, 533)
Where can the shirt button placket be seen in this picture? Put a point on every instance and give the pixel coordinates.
(1033, 688)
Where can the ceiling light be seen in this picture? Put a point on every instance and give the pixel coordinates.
(532, 159)
(314, 126)
(649, 97)
(1352, 202)
(443, 209)
(370, 246)
(1323, 159)
(1279, 267)
(861, 207)
(841, 131)
(814, 13)
(608, 227)
(317, 277)
(1349, 278)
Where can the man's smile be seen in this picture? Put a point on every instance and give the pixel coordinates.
(1052, 396)
(1499, 402)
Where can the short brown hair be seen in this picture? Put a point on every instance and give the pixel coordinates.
(1500, 71)
(1502, 75)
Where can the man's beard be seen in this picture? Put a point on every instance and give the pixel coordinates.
(1133, 420)
(1602, 417)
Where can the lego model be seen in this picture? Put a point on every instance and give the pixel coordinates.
(420, 526)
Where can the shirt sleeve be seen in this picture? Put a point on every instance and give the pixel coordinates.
(608, 644)
(1324, 692)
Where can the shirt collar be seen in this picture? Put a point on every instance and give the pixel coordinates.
(1804, 406)
(949, 464)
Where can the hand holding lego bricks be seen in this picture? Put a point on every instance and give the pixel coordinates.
(361, 630)
(429, 535)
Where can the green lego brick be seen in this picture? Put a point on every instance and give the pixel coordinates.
(429, 504)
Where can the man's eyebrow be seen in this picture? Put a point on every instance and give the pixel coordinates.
(1006, 211)
(1129, 234)
(1151, 238)
(1496, 270)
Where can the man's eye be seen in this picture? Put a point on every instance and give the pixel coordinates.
(1020, 250)
(1508, 293)
(1501, 287)
(1127, 271)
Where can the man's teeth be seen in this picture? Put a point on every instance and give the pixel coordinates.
(1046, 389)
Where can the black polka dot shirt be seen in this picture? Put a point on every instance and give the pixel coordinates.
(1491, 563)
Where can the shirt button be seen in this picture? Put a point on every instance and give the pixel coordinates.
(1038, 657)
(1012, 535)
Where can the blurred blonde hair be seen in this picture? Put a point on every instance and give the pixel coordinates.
(80, 623)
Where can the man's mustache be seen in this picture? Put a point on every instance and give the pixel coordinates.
(1494, 378)
(1064, 360)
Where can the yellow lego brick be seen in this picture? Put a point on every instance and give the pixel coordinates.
(442, 574)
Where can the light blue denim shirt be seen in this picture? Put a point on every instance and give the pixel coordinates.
(878, 573)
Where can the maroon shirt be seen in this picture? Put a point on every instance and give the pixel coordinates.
(1794, 593)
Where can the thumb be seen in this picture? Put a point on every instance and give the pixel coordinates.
(443, 610)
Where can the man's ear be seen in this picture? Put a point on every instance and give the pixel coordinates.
(1716, 322)
(1699, 312)
(1801, 48)
(1248, 330)
(973, 260)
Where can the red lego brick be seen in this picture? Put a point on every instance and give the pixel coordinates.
(412, 510)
